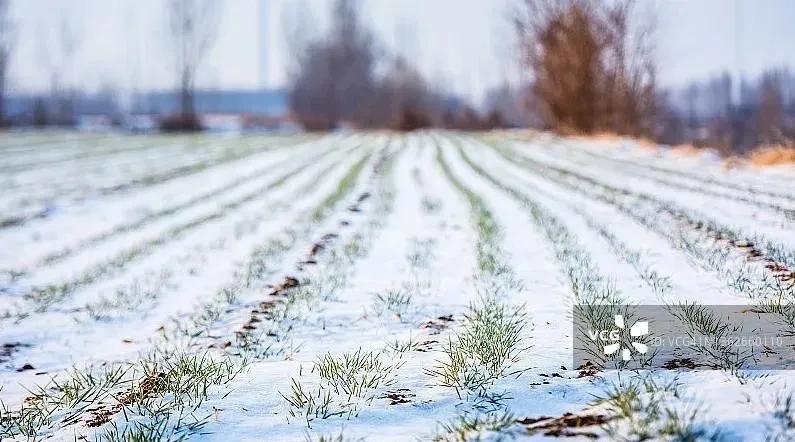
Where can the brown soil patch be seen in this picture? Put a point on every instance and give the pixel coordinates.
(100, 417)
(426, 346)
(674, 364)
(435, 326)
(8, 350)
(147, 388)
(316, 248)
(356, 207)
(551, 375)
(281, 288)
(25, 367)
(587, 369)
(568, 425)
(399, 396)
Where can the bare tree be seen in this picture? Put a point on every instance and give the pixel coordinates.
(764, 114)
(56, 50)
(334, 79)
(563, 50)
(64, 87)
(771, 110)
(592, 66)
(407, 100)
(6, 44)
(691, 95)
(630, 91)
(194, 27)
(346, 77)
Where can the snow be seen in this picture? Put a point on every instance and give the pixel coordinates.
(183, 238)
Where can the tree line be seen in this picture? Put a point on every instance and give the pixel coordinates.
(591, 71)
(590, 67)
(704, 113)
(347, 78)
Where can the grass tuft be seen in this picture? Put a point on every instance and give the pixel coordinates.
(484, 349)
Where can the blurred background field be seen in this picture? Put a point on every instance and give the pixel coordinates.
(709, 74)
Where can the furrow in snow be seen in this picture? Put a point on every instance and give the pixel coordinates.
(79, 272)
(45, 201)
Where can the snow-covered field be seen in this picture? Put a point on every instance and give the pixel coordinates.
(374, 286)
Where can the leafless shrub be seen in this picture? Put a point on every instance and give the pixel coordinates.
(593, 67)
(194, 27)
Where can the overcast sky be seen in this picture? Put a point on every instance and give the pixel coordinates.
(465, 45)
